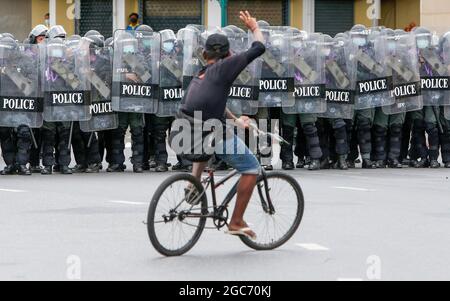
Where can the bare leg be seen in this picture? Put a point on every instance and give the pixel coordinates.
(198, 168)
(244, 192)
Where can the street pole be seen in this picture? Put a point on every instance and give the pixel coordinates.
(224, 12)
(77, 16)
(376, 12)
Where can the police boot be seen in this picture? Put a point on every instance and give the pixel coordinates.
(325, 163)
(287, 165)
(314, 165)
(79, 168)
(23, 170)
(65, 170)
(46, 170)
(161, 167)
(35, 169)
(300, 163)
(394, 163)
(9, 170)
(93, 168)
(447, 165)
(380, 164)
(137, 168)
(434, 164)
(181, 167)
(342, 162)
(268, 167)
(351, 163)
(420, 163)
(368, 164)
(115, 168)
(146, 166)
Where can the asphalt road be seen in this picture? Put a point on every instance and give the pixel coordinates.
(358, 225)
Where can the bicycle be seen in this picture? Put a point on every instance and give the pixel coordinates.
(260, 213)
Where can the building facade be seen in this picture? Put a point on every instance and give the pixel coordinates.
(327, 16)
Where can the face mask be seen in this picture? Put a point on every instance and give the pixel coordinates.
(391, 46)
(297, 44)
(47, 22)
(326, 51)
(147, 43)
(359, 41)
(128, 49)
(422, 44)
(133, 20)
(57, 53)
(168, 47)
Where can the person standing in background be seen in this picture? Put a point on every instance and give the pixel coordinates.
(134, 21)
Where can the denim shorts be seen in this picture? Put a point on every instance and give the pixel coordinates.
(236, 154)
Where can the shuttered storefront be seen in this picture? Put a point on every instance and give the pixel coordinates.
(172, 14)
(273, 11)
(333, 16)
(96, 14)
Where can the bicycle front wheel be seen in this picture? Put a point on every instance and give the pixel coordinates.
(274, 221)
(174, 225)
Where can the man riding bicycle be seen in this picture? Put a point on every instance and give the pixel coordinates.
(208, 93)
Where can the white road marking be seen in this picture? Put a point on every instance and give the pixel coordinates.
(353, 188)
(313, 247)
(349, 279)
(127, 203)
(11, 190)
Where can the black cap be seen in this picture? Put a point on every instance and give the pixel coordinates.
(217, 43)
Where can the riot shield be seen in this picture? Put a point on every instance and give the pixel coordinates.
(100, 78)
(135, 71)
(434, 74)
(447, 112)
(276, 86)
(194, 40)
(243, 96)
(170, 74)
(374, 85)
(309, 75)
(20, 96)
(64, 81)
(340, 77)
(402, 61)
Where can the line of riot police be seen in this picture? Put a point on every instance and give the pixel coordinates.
(374, 93)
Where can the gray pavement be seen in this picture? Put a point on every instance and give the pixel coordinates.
(358, 225)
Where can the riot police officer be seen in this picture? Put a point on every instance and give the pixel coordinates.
(51, 130)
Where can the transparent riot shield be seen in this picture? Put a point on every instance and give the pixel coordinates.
(194, 40)
(100, 77)
(374, 85)
(170, 74)
(445, 54)
(20, 96)
(243, 96)
(135, 71)
(434, 72)
(309, 70)
(402, 61)
(340, 81)
(447, 112)
(64, 82)
(276, 86)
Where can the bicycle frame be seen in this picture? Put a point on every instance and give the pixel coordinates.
(266, 201)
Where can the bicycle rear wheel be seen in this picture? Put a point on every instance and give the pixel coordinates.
(274, 229)
(171, 227)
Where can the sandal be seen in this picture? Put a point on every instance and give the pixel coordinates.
(242, 232)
